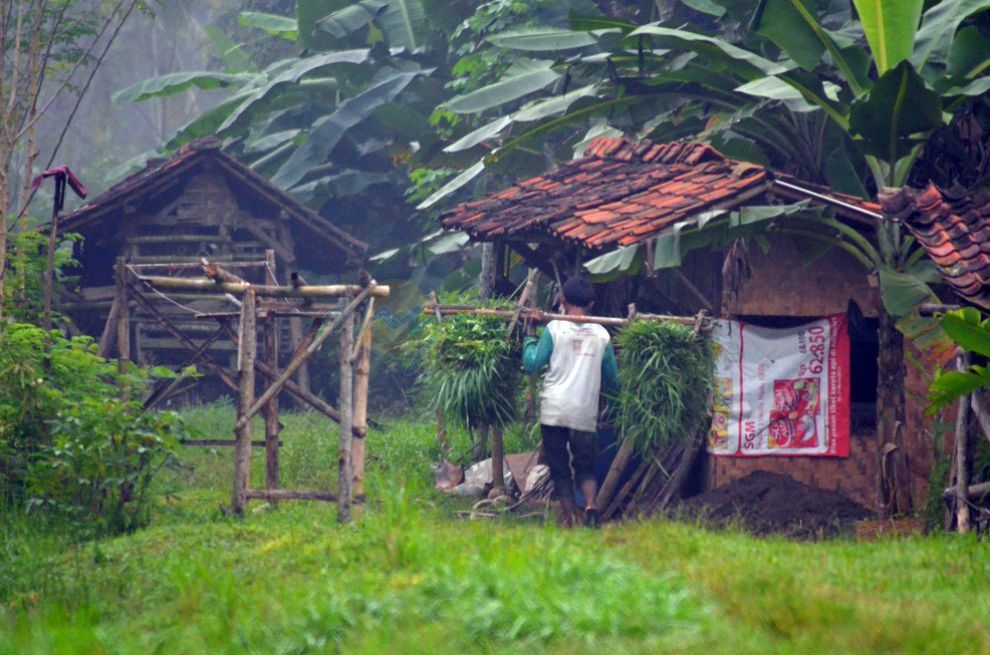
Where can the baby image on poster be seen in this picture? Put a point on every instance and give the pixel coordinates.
(793, 420)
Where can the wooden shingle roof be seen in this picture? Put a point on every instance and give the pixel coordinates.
(954, 227)
(623, 192)
(159, 174)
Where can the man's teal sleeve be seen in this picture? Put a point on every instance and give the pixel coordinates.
(536, 352)
(610, 372)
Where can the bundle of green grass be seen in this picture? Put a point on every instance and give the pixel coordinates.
(472, 370)
(666, 371)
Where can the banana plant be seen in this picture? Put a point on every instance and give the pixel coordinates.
(967, 328)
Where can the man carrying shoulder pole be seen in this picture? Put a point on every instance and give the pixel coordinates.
(580, 361)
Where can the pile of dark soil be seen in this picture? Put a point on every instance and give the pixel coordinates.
(770, 503)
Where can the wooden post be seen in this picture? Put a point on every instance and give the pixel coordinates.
(109, 330)
(362, 378)
(247, 348)
(271, 409)
(124, 316)
(346, 416)
(296, 338)
(345, 316)
(962, 455)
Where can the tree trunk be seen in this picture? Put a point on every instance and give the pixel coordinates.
(486, 281)
(893, 490)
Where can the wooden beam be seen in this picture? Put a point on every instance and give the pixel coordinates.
(309, 291)
(284, 494)
(162, 390)
(208, 361)
(221, 442)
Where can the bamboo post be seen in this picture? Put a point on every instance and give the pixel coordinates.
(346, 416)
(441, 419)
(962, 455)
(124, 316)
(247, 348)
(271, 409)
(362, 378)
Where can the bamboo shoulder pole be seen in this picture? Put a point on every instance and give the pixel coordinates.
(263, 290)
(248, 346)
(271, 409)
(545, 317)
(962, 454)
(345, 474)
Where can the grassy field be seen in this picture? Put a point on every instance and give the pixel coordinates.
(410, 577)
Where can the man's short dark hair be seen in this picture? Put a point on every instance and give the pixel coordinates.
(579, 292)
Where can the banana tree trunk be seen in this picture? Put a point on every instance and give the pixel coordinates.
(893, 490)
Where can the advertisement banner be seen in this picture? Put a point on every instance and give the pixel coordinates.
(781, 391)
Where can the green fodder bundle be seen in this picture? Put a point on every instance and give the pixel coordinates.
(472, 371)
(666, 372)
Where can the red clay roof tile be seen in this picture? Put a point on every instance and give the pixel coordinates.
(954, 228)
(620, 192)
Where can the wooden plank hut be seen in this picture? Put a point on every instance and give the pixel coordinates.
(200, 203)
(626, 193)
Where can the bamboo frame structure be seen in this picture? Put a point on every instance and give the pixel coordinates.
(260, 307)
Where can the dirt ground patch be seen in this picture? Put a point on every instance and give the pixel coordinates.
(770, 503)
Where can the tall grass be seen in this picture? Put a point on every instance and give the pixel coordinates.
(666, 371)
(410, 578)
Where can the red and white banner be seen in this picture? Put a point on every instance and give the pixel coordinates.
(781, 391)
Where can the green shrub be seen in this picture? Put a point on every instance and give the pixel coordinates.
(666, 372)
(69, 441)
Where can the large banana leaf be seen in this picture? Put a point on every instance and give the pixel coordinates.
(898, 110)
(167, 85)
(745, 64)
(281, 26)
(938, 28)
(450, 187)
(522, 78)
(351, 18)
(890, 29)
(543, 39)
(272, 85)
(791, 24)
(324, 138)
(403, 24)
(968, 329)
